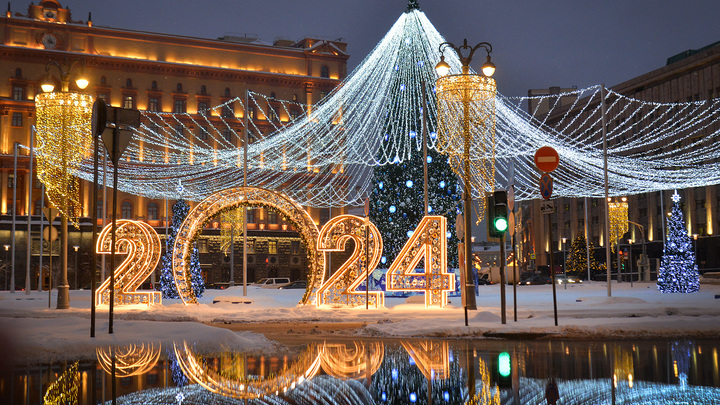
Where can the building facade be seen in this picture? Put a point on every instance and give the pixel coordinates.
(687, 77)
(161, 73)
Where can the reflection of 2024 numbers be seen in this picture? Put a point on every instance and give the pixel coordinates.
(142, 246)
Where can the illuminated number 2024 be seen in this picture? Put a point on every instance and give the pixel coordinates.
(341, 288)
(142, 246)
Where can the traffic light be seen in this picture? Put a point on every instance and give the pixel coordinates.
(504, 370)
(497, 214)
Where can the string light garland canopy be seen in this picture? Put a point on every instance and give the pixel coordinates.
(321, 156)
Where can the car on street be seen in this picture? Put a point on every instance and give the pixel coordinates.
(536, 279)
(276, 282)
(297, 284)
(563, 279)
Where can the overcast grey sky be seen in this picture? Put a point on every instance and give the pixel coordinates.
(537, 43)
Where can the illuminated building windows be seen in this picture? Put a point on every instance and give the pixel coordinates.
(324, 71)
(179, 106)
(295, 98)
(154, 104)
(295, 247)
(250, 216)
(272, 247)
(18, 92)
(251, 111)
(128, 101)
(17, 119)
(294, 114)
(251, 246)
(179, 130)
(126, 210)
(152, 211)
(103, 97)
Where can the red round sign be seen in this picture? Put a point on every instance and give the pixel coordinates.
(547, 159)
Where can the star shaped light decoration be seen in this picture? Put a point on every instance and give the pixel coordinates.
(675, 197)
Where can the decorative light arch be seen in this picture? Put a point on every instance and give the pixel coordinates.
(229, 199)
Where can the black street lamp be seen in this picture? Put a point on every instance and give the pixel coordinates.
(76, 247)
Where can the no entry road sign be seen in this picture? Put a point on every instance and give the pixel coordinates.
(547, 159)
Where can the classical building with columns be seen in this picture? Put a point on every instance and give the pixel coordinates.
(153, 72)
(690, 76)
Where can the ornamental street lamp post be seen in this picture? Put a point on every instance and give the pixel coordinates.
(459, 96)
(565, 261)
(76, 247)
(63, 120)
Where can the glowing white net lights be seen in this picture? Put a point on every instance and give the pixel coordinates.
(322, 158)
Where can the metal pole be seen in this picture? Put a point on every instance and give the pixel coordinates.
(552, 269)
(28, 277)
(232, 250)
(515, 271)
(50, 271)
(367, 266)
(565, 262)
(113, 236)
(630, 265)
(470, 302)
(246, 120)
(663, 216)
(14, 214)
(76, 267)
(93, 263)
(42, 245)
(63, 298)
(104, 212)
(587, 238)
(425, 162)
(503, 281)
(608, 264)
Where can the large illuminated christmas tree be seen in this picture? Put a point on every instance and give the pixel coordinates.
(167, 281)
(678, 271)
(397, 197)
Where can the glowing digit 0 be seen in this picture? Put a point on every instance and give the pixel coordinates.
(142, 246)
(341, 288)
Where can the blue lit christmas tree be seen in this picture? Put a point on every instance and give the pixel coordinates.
(167, 281)
(678, 271)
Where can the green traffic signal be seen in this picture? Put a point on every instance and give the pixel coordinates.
(501, 224)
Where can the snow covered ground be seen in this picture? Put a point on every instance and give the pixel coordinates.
(584, 311)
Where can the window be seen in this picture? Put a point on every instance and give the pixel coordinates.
(153, 85)
(324, 71)
(273, 114)
(128, 84)
(251, 246)
(566, 207)
(152, 211)
(17, 119)
(228, 110)
(699, 204)
(323, 94)
(203, 89)
(581, 223)
(179, 106)
(272, 247)
(294, 247)
(595, 220)
(594, 202)
(580, 204)
(179, 87)
(103, 81)
(324, 215)
(18, 92)
(126, 210)
(227, 91)
(18, 72)
(180, 131)
(228, 136)
(202, 108)
(294, 114)
(272, 95)
(272, 217)
(202, 245)
(99, 209)
(295, 98)
(103, 97)
(251, 111)
(154, 104)
(567, 224)
(250, 215)
(203, 133)
(128, 102)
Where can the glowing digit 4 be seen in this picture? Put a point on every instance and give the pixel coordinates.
(142, 246)
(341, 288)
(428, 242)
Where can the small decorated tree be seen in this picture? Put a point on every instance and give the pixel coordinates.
(577, 263)
(678, 270)
(167, 280)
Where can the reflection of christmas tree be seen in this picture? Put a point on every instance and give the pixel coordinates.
(577, 258)
(167, 280)
(678, 271)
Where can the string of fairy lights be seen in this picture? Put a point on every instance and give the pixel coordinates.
(322, 155)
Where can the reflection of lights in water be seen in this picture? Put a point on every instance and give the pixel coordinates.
(130, 360)
(344, 361)
(196, 368)
(65, 389)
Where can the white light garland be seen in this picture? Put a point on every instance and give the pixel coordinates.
(324, 157)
